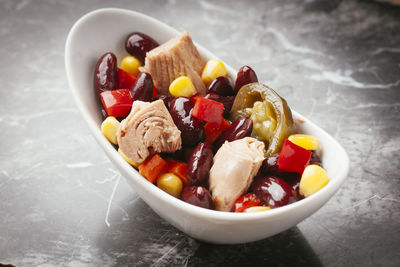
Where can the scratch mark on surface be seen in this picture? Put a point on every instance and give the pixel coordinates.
(385, 49)
(165, 254)
(79, 165)
(371, 198)
(165, 234)
(22, 4)
(21, 120)
(110, 199)
(4, 182)
(211, 6)
(105, 180)
(186, 261)
(290, 46)
(28, 170)
(344, 78)
(116, 177)
(335, 239)
(376, 105)
(5, 173)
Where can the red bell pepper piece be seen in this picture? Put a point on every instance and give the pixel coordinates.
(155, 92)
(213, 130)
(293, 158)
(152, 167)
(125, 79)
(179, 169)
(208, 110)
(117, 103)
(194, 98)
(246, 201)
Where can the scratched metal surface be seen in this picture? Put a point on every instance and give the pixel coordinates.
(63, 203)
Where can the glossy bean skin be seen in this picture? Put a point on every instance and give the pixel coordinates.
(106, 73)
(221, 86)
(239, 129)
(270, 167)
(199, 164)
(104, 114)
(192, 129)
(198, 196)
(245, 75)
(226, 100)
(166, 98)
(142, 89)
(138, 44)
(273, 191)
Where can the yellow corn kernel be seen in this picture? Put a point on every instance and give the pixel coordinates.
(170, 183)
(213, 69)
(131, 65)
(109, 129)
(313, 179)
(129, 160)
(182, 86)
(257, 209)
(305, 141)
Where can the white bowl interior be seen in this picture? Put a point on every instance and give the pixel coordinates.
(105, 30)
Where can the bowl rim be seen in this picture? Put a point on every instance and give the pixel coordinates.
(330, 189)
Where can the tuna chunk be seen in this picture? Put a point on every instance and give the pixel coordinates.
(148, 129)
(235, 165)
(172, 59)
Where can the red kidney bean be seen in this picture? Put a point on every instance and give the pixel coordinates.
(104, 114)
(142, 89)
(315, 159)
(166, 98)
(198, 196)
(226, 100)
(199, 164)
(138, 44)
(270, 167)
(222, 86)
(239, 129)
(296, 187)
(273, 191)
(106, 73)
(245, 75)
(192, 129)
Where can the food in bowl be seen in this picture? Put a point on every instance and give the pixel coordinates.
(178, 120)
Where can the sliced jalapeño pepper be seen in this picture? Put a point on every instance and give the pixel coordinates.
(272, 117)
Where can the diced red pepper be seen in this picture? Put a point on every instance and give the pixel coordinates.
(152, 167)
(246, 201)
(125, 79)
(213, 130)
(293, 158)
(208, 110)
(193, 98)
(117, 103)
(155, 92)
(179, 169)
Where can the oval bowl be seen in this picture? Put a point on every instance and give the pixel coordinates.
(105, 30)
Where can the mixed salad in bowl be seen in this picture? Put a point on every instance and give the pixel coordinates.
(214, 141)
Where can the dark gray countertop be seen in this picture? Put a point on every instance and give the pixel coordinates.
(63, 203)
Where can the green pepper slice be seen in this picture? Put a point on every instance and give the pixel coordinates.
(271, 115)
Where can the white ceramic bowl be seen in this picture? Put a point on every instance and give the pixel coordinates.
(105, 30)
